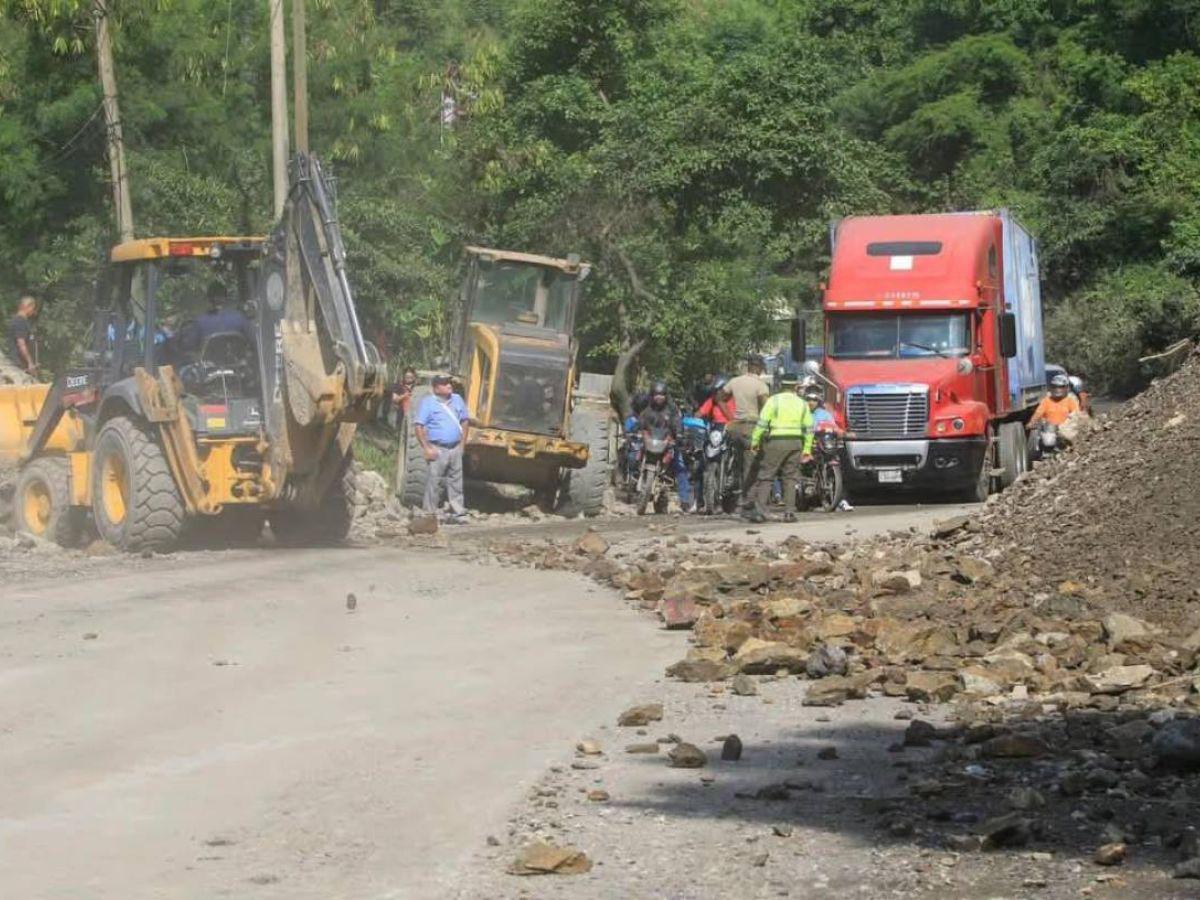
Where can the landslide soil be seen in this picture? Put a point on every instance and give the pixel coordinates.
(1119, 515)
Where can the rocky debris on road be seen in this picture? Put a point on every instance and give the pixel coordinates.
(687, 756)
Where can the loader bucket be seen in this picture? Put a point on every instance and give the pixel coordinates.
(20, 405)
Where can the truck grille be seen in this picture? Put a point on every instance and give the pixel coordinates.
(878, 412)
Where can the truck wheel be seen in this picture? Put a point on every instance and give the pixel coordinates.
(42, 502)
(982, 486)
(135, 501)
(1014, 452)
(412, 469)
(581, 491)
(329, 523)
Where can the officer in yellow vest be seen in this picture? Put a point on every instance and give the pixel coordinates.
(782, 441)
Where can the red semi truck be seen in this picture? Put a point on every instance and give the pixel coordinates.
(933, 344)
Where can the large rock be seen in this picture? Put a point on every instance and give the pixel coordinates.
(702, 664)
(679, 612)
(1118, 679)
(1119, 628)
(757, 656)
(547, 859)
(924, 687)
(1177, 744)
(687, 756)
(785, 608)
(826, 659)
(834, 690)
(898, 581)
(591, 544)
(834, 626)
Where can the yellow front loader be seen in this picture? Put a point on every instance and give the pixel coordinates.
(221, 385)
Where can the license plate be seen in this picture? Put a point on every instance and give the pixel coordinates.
(890, 476)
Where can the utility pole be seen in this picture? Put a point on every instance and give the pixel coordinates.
(279, 113)
(300, 75)
(112, 120)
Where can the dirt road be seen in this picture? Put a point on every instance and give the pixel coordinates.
(222, 724)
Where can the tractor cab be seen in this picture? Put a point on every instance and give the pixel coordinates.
(187, 303)
(515, 340)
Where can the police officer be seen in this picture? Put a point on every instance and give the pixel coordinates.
(782, 441)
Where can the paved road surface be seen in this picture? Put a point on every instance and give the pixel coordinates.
(222, 726)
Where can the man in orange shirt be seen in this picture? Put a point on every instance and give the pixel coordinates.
(1057, 406)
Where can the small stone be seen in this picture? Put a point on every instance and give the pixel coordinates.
(589, 748)
(760, 859)
(642, 748)
(782, 830)
(744, 685)
(493, 841)
(827, 753)
(687, 756)
(826, 659)
(90, 635)
(638, 716)
(598, 796)
(919, 733)
(1009, 830)
(731, 750)
(1110, 855)
(1119, 627)
(1026, 799)
(962, 843)
(585, 764)
(351, 602)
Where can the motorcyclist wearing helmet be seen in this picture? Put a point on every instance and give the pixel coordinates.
(1057, 406)
(720, 408)
(1081, 393)
(660, 415)
(814, 396)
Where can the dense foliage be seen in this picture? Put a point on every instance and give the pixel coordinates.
(694, 150)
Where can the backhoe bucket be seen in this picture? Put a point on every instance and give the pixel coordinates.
(19, 408)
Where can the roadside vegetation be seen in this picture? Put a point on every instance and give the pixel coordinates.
(694, 151)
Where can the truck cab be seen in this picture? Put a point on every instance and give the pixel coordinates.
(933, 340)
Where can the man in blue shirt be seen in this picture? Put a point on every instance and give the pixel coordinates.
(441, 426)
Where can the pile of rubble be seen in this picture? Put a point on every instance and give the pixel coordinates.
(1117, 515)
(911, 617)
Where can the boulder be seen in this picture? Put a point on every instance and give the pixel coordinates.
(925, 687)
(687, 756)
(1177, 744)
(757, 656)
(1118, 679)
(1119, 628)
(897, 581)
(678, 612)
(591, 544)
(826, 659)
(835, 625)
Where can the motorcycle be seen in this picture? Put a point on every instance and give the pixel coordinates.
(691, 449)
(629, 459)
(821, 483)
(1046, 442)
(656, 481)
(722, 473)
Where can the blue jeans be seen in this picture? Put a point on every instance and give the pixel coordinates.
(682, 480)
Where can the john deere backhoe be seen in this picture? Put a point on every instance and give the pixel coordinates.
(535, 421)
(167, 421)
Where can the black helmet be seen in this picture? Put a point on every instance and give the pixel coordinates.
(659, 387)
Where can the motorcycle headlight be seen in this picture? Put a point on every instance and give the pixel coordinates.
(828, 441)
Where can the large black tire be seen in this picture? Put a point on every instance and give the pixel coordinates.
(135, 501)
(329, 523)
(978, 491)
(42, 502)
(581, 491)
(412, 469)
(1014, 452)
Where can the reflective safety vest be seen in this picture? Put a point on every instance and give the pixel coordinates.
(785, 415)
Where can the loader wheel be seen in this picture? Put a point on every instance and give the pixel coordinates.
(581, 491)
(42, 502)
(412, 469)
(327, 524)
(135, 500)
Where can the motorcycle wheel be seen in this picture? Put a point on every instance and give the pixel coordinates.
(832, 491)
(661, 502)
(712, 490)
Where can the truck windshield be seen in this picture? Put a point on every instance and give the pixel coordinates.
(523, 293)
(897, 336)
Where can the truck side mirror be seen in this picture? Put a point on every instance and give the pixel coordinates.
(1008, 335)
(799, 339)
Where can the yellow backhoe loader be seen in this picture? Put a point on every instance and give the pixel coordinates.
(535, 420)
(186, 409)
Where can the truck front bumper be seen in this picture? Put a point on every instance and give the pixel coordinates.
(943, 464)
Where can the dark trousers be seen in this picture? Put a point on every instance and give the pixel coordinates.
(779, 458)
